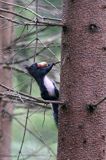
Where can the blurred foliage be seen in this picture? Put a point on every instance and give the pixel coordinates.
(42, 144)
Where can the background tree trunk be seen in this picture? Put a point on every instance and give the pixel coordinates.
(6, 79)
(83, 81)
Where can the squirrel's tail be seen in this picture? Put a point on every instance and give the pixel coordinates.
(55, 108)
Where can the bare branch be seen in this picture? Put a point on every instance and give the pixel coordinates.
(11, 20)
(16, 14)
(12, 94)
(15, 69)
(28, 130)
(16, 5)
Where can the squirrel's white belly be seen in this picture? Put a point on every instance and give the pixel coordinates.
(49, 86)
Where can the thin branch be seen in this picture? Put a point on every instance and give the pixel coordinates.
(38, 23)
(12, 94)
(48, 49)
(16, 14)
(27, 104)
(101, 101)
(35, 22)
(16, 5)
(23, 138)
(16, 98)
(91, 107)
(51, 4)
(36, 136)
(14, 68)
(44, 118)
(9, 62)
(26, 8)
(28, 130)
(49, 23)
(11, 20)
(57, 62)
(52, 19)
(23, 37)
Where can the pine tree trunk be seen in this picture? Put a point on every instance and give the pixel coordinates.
(82, 129)
(6, 79)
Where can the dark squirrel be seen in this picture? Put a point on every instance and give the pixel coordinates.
(47, 87)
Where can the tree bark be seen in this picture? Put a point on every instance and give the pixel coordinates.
(6, 79)
(82, 128)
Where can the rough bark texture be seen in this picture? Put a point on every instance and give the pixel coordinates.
(82, 135)
(6, 79)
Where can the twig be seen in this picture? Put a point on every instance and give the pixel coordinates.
(11, 20)
(48, 49)
(100, 101)
(57, 62)
(91, 107)
(44, 18)
(25, 129)
(38, 23)
(51, 4)
(16, 5)
(44, 118)
(36, 136)
(14, 68)
(23, 60)
(29, 97)
(28, 130)
(23, 37)
(26, 100)
(50, 23)
(16, 14)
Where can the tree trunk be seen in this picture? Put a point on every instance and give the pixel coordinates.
(82, 129)
(6, 79)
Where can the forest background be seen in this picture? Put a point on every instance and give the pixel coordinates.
(34, 134)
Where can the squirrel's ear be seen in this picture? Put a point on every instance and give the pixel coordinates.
(42, 64)
(26, 66)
